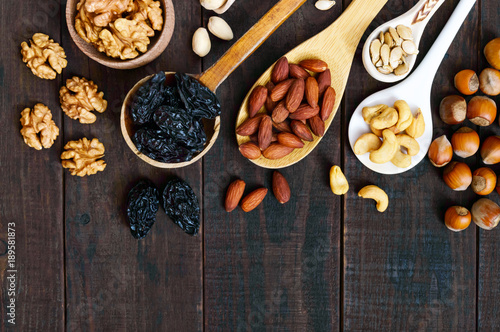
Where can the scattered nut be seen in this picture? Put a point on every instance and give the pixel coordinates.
(457, 218)
(338, 181)
(482, 111)
(492, 53)
(324, 4)
(44, 49)
(376, 194)
(79, 97)
(465, 142)
(484, 181)
(440, 151)
(489, 82)
(39, 130)
(201, 42)
(219, 28)
(453, 109)
(485, 213)
(83, 157)
(490, 150)
(234, 194)
(457, 176)
(281, 189)
(467, 82)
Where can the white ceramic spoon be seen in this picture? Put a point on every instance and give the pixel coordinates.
(416, 19)
(416, 90)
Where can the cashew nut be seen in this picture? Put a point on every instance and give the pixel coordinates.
(409, 143)
(377, 132)
(367, 143)
(370, 112)
(417, 126)
(401, 160)
(386, 119)
(338, 182)
(404, 113)
(388, 149)
(376, 194)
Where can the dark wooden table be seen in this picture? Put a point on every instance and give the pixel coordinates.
(318, 263)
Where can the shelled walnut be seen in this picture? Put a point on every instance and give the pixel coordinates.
(83, 157)
(39, 130)
(119, 28)
(44, 49)
(79, 97)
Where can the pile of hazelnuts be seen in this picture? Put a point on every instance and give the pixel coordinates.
(465, 142)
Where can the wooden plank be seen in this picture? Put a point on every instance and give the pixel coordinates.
(488, 309)
(31, 194)
(277, 267)
(115, 282)
(404, 270)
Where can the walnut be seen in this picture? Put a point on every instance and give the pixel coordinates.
(44, 49)
(84, 99)
(119, 28)
(39, 130)
(82, 157)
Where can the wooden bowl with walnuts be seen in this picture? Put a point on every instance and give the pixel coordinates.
(121, 34)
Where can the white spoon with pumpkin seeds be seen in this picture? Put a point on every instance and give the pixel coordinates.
(391, 50)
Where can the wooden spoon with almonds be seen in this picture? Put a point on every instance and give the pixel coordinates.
(336, 45)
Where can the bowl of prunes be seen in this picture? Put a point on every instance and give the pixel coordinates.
(170, 120)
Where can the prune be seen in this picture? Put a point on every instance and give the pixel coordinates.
(181, 127)
(157, 145)
(142, 206)
(149, 96)
(181, 205)
(197, 99)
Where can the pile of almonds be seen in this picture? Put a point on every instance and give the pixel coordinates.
(291, 101)
(389, 51)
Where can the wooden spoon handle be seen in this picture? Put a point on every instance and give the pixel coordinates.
(247, 44)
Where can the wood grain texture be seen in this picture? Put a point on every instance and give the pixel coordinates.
(404, 270)
(277, 267)
(31, 193)
(488, 307)
(115, 282)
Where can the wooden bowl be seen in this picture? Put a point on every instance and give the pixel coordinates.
(158, 43)
(211, 127)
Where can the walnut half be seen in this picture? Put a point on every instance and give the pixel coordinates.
(82, 157)
(44, 49)
(39, 130)
(79, 97)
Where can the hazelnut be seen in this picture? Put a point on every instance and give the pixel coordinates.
(453, 109)
(484, 181)
(492, 53)
(490, 150)
(489, 82)
(465, 142)
(457, 176)
(457, 218)
(440, 151)
(481, 111)
(467, 82)
(485, 213)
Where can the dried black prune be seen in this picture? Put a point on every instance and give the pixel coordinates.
(197, 99)
(181, 127)
(142, 206)
(157, 145)
(149, 97)
(181, 205)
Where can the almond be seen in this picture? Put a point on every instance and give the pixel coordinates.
(301, 130)
(312, 91)
(249, 126)
(297, 71)
(281, 89)
(304, 112)
(265, 132)
(317, 126)
(328, 103)
(270, 104)
(277, 151)
(324, 81)
(280, 70)
(250, 150)
(234, 194)
(314, 65)
(280, 113)
(290, 140)
(274, 138)
(282, 127)
(281, 189)
(256, 100)
(252, 200)
(295, 95)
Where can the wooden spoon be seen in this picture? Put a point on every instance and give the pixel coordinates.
(336, 45)
(214, 76)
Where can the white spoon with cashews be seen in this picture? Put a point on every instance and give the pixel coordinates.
(415, 90)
